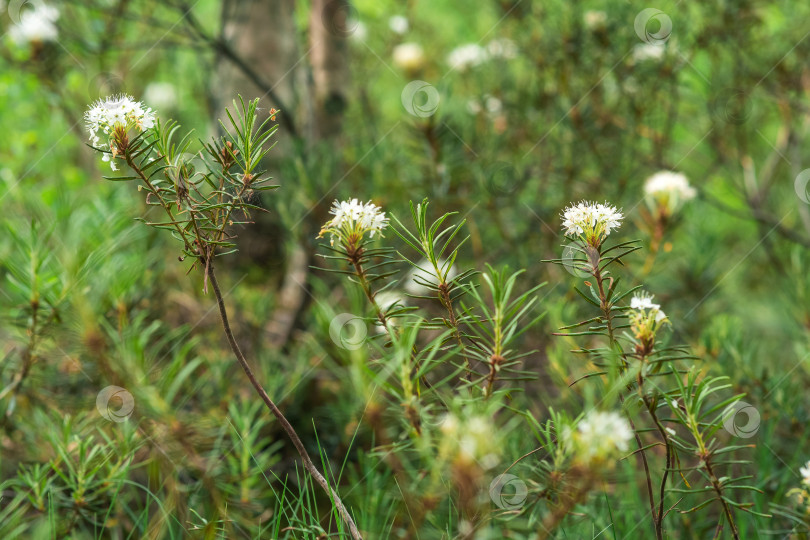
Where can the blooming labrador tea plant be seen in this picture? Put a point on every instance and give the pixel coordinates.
(499, 270)
(448, 379)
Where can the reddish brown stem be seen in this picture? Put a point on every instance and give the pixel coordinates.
(291, 433)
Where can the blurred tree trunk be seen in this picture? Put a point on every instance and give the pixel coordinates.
(328, 30)
(313, 90)
(262, 33)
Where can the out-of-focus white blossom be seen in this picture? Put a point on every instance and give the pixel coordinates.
(360, 32)
(649, 51)
(666, 191)
(162, 95)
(114, 112)
(595, 20)
(409, 56)
(469, 440)
(467, 56)
(416, 283)
(502, 48)
(36, 25)
(669, 182)
(389, 300)
(398, 24)
(599, 436)
(493, 104)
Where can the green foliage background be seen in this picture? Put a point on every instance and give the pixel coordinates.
(727, 105)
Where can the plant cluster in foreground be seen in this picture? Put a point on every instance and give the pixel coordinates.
(449, 378)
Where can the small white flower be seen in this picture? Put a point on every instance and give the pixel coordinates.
(646, 318)
(467, 56)
(595, 20)
(649, 51)
(502, 48)
(671, 431)
(643, 300)
(36, 25)
(398, 24)
(805, 472)
(409, 56)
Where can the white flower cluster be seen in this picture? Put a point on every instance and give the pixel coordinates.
(36, 25)
(643, 301)
(646, 318)
(116, 111)
(353, 220)
(467, 56)
(592, 220)
(599, 435)
(668, 190)
(469, 440)
(471, 55)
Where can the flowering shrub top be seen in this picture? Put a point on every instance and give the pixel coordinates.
(116, 113)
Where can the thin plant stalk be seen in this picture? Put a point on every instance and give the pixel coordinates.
(285, 424)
